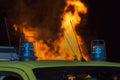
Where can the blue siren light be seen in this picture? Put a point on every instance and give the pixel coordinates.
(27, 52)
(98, 52)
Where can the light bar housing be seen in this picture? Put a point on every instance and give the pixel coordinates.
(27, 52)
(8, 53)
(98, 50)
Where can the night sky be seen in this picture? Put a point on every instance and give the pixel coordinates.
(104, 16)
(102, 20)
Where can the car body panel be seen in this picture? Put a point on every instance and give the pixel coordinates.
(24, 68)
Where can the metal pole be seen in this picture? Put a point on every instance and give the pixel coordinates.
(8, 35)
(75, 57)
(77, 40)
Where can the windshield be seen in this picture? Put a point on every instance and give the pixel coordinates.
(77, 73)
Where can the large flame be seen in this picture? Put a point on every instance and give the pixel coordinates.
(71, 19)
(67, 46)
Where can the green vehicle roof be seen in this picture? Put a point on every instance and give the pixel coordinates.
(28, 66)
(55, 63)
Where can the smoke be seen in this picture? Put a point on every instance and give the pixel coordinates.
(43, 15)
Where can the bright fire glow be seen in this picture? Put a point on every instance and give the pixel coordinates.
(70, 20)
(68, 44)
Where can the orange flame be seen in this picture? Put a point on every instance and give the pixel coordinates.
(15, 27)
(66, 46)
(70, 20)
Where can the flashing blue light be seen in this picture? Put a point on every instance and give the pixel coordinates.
(27, 52)
(98, 51)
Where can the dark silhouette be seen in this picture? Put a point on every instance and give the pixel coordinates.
(11, 78)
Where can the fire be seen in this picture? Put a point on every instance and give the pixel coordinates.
(15, 27)
(69, 44)
(70, 20)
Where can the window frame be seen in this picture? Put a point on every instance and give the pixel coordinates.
(9, 73)
(18, 71)
(79, 69)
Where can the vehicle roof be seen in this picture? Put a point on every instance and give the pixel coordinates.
(55, 63)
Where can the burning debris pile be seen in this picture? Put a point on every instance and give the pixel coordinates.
(54, 36)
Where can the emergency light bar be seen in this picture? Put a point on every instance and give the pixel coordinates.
(27, 52)
(8, 53)
(98, 52)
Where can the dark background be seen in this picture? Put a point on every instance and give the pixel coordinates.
(102, 23)
(104, 16)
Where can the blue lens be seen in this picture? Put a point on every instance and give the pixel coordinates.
(27, 51)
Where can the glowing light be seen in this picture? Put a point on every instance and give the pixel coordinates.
(27, 52)
(98, 50)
